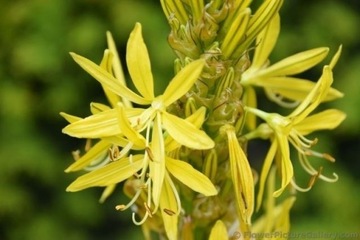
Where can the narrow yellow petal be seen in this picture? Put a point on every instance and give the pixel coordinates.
(106, 64)
(116, 67)
(294, 88)
(138, 62)
(315, 97)
(264, 173)
(186, 133)
(285, 167)
(98, 107)
(191, 177)
(328, 119)
(265, 42)
(335, 58)
(218, 231)
(107, 192)
(99, 150)
(282, 217)
(242, 177)
(108, 80)
(296, 63)
(116, 63)
(183, 81)
(99, 125)
(197, 119)
(112, 173)
(70, 118)
(169, 209)
(133, 136)
(157, 165)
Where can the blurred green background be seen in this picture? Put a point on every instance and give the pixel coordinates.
(38, 79)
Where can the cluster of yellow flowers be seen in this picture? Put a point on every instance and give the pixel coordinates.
(183, 153)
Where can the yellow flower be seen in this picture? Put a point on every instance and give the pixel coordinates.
(292, 128)
(122, 125)
(277, 79)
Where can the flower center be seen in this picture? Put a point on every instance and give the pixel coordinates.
(158, 103)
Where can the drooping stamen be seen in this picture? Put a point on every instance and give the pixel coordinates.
(142, 220)
(298, 188)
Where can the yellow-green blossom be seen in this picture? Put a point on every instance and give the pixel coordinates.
(292, 128)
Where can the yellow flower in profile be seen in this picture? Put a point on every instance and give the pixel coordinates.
(292, 128)
(279, 80)
(275, 78)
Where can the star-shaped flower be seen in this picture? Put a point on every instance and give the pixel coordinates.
(144, 129)
(293, 128)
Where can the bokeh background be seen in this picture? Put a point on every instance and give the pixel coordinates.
(38, 79)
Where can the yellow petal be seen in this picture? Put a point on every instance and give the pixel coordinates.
(264, 173)
(70, 118)
(285, 167)
(335, 58)
(112, 173)
(282, 223)
(133, 136)
(296, 63)
(138, 62)
(99, 125)
(99, 150)
(328, 119)
(315, 97)
(197, 119)
(169, 209)
(117, 68)
(107, 192)
(242, 177)
(106, 64)
(108, 80)
(191, 177)
(183, 81)
(265, 42)
(157, 165)
(218, 231)
(116, 63)
(294, 88)
(98, 107)
(186, 133)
